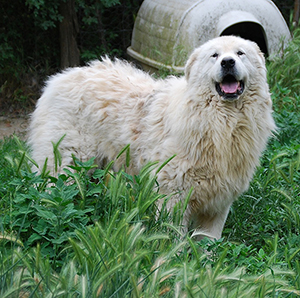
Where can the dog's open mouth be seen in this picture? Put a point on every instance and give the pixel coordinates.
(230, 88)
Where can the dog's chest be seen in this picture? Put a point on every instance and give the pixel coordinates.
(225, 157)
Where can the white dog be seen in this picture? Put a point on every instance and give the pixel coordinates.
(216, 119)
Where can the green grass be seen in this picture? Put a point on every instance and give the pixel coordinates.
(100, 236)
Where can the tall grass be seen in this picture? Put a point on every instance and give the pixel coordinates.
(100, 234)
(62, 247)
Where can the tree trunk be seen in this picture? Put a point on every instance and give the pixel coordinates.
(296, 13)
(68, 30)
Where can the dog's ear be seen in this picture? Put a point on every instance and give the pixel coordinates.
(262, 56)
(188, 66)
(259, 52)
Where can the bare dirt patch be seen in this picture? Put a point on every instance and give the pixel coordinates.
(14, 125)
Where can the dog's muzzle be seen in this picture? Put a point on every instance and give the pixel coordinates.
(230, 87)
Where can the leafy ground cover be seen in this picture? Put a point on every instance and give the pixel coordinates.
(100, 235)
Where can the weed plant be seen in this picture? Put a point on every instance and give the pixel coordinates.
(97, 233)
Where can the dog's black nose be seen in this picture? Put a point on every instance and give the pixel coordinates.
(228, 63)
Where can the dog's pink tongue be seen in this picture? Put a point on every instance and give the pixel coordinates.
(230, 87)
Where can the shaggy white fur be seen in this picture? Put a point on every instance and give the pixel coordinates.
(216, 119)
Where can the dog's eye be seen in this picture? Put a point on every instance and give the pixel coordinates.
(240, 53)
(215, 55)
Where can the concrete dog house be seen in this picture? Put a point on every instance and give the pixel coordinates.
(166, 32)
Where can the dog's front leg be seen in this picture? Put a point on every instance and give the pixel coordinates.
(207, 225)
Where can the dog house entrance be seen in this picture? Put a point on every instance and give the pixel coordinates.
(251, 31)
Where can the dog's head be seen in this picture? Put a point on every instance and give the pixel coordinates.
(227, 65)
